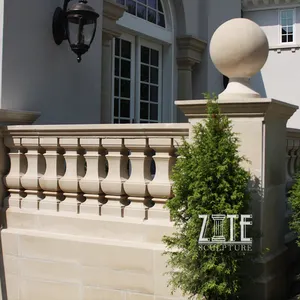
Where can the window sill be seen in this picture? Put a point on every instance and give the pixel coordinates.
(291, 47)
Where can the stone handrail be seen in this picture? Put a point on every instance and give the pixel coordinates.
(92, 169)
(292, 163)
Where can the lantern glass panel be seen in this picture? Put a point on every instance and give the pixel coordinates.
(81, 31)
(73, 29)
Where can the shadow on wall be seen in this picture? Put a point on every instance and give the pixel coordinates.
(257, 83)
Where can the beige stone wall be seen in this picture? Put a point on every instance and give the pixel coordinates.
(69, 258)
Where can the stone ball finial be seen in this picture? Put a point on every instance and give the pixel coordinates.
(239, 49)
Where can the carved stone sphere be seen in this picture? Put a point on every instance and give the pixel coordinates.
(239, 48)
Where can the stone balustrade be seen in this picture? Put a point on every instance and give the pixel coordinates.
(92, 169)
(292, 164)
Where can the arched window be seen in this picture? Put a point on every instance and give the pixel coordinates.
(143, 64)
(150, 10)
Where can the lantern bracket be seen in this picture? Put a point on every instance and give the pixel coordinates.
(59, 23)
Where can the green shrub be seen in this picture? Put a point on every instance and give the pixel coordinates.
(208, 179)
(294, 202)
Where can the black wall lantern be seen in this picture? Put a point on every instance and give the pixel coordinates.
(76, 24)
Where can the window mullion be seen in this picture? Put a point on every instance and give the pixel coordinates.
(137, 80)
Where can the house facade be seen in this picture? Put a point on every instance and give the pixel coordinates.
(141, 60)
(278, 79)
(135, 70)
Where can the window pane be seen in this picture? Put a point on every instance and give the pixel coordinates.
(153, 111)
(154, 57)
(126, 49)
(284, 39)
(117, 47)
(154, 75)
(117, 89)
(123, 121)
(125, 88)
(116, 107)
(144, 73)
(117, 67)
(283, 22)
(131, 6)
(289, 14)
(125, 68)
(144, 110)
(283, 14)
(125, 108)
(145, 55)
(161, 20)
(143, 1)
(144, 91)
(290, 29)
(160, 8)
(116, 121)
(151, 15)
(141, 11)
(152, 3)
(283, 31)
(290, 38)
(154, 93)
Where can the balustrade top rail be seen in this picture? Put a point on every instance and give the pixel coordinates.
(101, 130)
(293, 133)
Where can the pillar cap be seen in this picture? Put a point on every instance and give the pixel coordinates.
(251, 108)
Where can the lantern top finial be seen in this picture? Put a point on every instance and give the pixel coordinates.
(239, 49)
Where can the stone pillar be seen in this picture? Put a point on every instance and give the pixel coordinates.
(189, 53)
(261, 127)
(111, 13)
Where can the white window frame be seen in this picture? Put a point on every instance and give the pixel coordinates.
(164, 36)
(280, 26)
(142, 42)
(130, 39)
(137, 42)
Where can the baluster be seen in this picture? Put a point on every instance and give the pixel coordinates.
(289, 179)
(4, 162)
(160, 188)
(289, 148)
(112, 185)
(18, 166)
(297, 158)
(54, 171)
(136, 186)
(294, 158)
(35, 169)
(90, 184)
(69, 183)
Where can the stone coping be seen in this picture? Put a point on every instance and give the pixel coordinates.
(18, 117)
(293, 133)
(114, 130)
